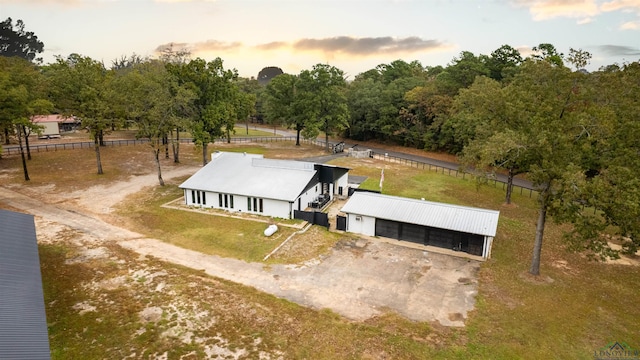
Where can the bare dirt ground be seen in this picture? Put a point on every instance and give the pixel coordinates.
(358, 279)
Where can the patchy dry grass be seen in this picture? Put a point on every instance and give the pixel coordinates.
(576, 307)
(209, 232)
(70, 170)
(314, 242)
(119, 305)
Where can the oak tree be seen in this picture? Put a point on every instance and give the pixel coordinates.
(16, 41)
(80, 88)
(214, 98)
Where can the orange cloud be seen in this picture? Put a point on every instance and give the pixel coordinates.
(549, 9)
(44, 2)
(183, 1)
(353, 46)
(615, 5)
(215, 45)
(367, 46)
(275, 45)
(525, 51)
(195, 48)
(631, 25)
(358, 46)
(584, 10)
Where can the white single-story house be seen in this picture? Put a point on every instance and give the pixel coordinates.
(241, 182)
(459, 228)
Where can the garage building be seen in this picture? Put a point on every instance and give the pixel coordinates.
(460, 228)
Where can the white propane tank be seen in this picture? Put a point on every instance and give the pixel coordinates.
(270, 230)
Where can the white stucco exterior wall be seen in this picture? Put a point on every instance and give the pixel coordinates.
(275, 208)
(486, 249)
(270, 207)
(359, 224)
(343, 182)
(211, 201)
(307, 197)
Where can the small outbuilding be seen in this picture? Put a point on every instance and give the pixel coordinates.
(53, 125)
(23, 321)
(241, 182)
(459, 228)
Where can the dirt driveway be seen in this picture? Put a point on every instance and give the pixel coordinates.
(357, 279)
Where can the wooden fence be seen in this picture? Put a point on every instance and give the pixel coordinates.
(14, 150)
(449, 171)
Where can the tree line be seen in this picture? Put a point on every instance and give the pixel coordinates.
(573, 133)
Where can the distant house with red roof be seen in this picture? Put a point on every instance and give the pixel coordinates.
(55, 124)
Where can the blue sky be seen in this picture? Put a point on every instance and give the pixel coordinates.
(353, 35)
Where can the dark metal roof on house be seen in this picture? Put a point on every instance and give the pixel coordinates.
(23, 322)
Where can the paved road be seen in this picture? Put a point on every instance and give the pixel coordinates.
(419, 158)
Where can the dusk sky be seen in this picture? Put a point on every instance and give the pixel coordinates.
(353, 35)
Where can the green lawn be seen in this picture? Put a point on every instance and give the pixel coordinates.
(576, 307)
(208, 231)
(573, 309)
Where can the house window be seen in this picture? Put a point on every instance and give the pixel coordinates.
(231, 200)
(219, 200)
(198, 197)
(226, 200)
(257, 204)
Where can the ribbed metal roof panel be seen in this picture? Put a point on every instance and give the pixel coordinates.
(23, 322)
(438, 215)
(252, 175)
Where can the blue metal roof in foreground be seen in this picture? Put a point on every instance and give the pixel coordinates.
(23, 322)
(437, 215)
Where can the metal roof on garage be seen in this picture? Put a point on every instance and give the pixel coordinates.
(252, 175)
(23, 322)
(437, 215)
